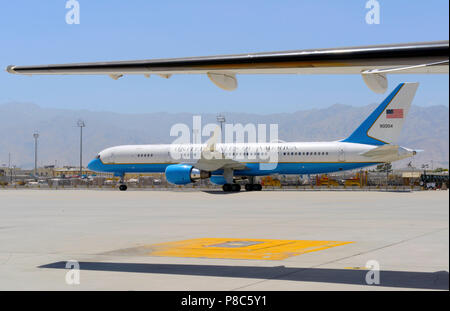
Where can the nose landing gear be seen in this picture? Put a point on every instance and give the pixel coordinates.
(122, 186)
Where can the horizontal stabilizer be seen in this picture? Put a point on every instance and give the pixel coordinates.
(382, 151)
(389, 153)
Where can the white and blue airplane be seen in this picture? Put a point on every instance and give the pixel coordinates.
(373, 142)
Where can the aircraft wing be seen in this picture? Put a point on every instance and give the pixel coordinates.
(372, 62)
(211, 165)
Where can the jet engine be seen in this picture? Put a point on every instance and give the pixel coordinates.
(182, 174)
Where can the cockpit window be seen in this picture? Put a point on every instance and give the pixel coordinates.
(98, 156)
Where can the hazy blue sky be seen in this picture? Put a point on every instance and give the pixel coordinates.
(35, 32)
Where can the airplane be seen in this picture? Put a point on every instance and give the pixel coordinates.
(373, 142)
(373, 63)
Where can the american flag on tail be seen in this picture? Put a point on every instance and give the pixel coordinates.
(394, 114)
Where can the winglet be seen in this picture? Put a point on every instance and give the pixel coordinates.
(10, 69)
(212, 141)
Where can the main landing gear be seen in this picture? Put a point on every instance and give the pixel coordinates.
(231, 187)
(253, 187)
(237, 187)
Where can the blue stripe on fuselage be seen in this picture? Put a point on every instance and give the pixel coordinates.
(254, 169)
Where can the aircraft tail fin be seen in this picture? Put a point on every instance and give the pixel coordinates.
(385, 123)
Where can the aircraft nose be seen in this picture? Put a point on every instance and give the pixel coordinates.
(95, 165)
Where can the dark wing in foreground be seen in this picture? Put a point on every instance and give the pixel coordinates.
(372, 62)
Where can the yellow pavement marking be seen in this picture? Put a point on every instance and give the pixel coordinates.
(263, 249)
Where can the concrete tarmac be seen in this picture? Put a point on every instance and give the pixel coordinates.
(105, 232)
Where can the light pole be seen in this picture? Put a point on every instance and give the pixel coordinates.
(81, 124)
(221, 120)
(36, 136)
(424, 176)
(9, 167)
